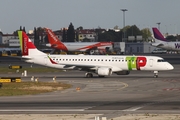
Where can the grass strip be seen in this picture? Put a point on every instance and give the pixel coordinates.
(31, 88)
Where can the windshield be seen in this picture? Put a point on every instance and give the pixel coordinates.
(161, 60)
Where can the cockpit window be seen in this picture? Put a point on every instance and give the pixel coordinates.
(161, 60)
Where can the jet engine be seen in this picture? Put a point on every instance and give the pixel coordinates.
(123, 73)
(104, 71)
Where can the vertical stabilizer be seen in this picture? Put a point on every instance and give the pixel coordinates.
(158, 35)
(54, 41)
(27, 47)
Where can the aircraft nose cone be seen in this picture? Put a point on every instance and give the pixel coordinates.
(170, 67)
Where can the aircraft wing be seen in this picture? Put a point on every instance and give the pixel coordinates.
(91, 67)
(157, 44)
(80, 66)
(20, 57)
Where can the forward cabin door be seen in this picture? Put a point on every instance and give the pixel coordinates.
(151, 62)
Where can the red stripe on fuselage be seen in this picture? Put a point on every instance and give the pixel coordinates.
(99, 44)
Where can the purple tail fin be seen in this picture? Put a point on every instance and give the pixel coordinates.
(158, 35)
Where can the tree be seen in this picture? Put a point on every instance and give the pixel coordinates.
(110, 35)
(171, 38)
(133, 31)
(77, 36)
(146, 33)
(70, 33)
(64, 36)
(80, 28)
(35, 33)
(24, 29)
(20, 28)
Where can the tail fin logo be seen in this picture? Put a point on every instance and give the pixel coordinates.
(54, 41)
(25, 48)
(52, 36)
(25, 43)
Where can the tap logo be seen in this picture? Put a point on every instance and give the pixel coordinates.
(25, 47)
(136, 63)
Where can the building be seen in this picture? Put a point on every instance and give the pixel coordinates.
(143, 47)
(87, 34)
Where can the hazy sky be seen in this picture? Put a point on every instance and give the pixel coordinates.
(56, 14)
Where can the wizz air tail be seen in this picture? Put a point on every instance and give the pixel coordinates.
(158, 36)
(28, 49)
(54, 41)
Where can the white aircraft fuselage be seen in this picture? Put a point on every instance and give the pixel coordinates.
(175, 46)
(93, 62)
(85, 46)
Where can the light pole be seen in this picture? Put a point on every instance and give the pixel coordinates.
(158, 25)
(124, 10)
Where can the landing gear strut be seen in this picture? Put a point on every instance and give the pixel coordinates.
(156, 74)
(88, 75)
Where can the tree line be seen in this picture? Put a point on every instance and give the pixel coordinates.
(71, 34)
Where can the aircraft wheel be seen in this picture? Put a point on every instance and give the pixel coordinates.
(88, 75)
(156, 76)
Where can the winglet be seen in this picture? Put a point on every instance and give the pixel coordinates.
(158, 35)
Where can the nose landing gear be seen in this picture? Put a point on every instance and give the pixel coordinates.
(156, 74)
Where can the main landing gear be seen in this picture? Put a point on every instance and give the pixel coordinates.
(88, 75)
(156, 74)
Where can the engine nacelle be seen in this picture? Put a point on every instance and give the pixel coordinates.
(123, 73)
(104, 71)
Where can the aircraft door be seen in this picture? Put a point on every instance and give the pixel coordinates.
(151, 62)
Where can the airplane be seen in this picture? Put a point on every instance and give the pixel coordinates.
(89, 47)
(162, 42)
(102, 65)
